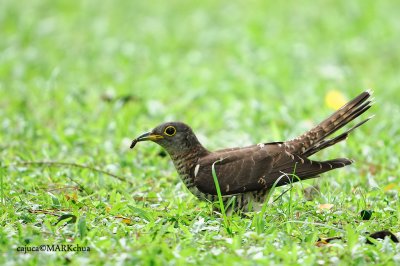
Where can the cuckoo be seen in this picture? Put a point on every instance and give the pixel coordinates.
(248, 173)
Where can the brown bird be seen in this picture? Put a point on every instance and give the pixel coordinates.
(248, 173)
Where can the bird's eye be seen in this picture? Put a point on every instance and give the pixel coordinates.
(170, 131)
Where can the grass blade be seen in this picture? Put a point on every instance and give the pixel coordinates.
(220, 200)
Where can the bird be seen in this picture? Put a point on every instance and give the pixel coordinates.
(247, 174)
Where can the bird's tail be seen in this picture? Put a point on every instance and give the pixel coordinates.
(315, 140)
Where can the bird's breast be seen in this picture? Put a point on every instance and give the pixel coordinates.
(184, 165)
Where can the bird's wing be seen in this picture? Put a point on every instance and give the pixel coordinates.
(238, 170)
(256, 168)
(289, 168)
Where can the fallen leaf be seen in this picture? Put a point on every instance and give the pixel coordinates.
(123, 219)
(390, 186)
(321, 243)
(325, 206)
(127, 221)
(73, 197)
(325, 241)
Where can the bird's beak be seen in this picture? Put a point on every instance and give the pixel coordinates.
(146, 136)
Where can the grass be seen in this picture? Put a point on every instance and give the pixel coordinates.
(80, 80)
(220, 200)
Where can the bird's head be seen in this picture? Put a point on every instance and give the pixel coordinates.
(174, 137)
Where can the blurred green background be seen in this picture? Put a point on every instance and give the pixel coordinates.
(80, 79)
(96, 74)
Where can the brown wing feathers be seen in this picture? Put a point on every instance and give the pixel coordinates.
(258, 167)
(304, 169)
(239, 171)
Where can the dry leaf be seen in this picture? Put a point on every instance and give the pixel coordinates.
(390, 186)
(72, 196)
(325, 206)
(322, 242)
(127, 221)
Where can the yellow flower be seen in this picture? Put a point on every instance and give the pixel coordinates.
(335, 99)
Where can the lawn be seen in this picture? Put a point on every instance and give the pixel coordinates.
(80, 79)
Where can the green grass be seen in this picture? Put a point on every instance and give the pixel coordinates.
(79, 80)
(220, 200)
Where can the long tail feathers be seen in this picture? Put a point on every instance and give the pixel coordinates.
(307, 170)
(330, 142)
(314, 140)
